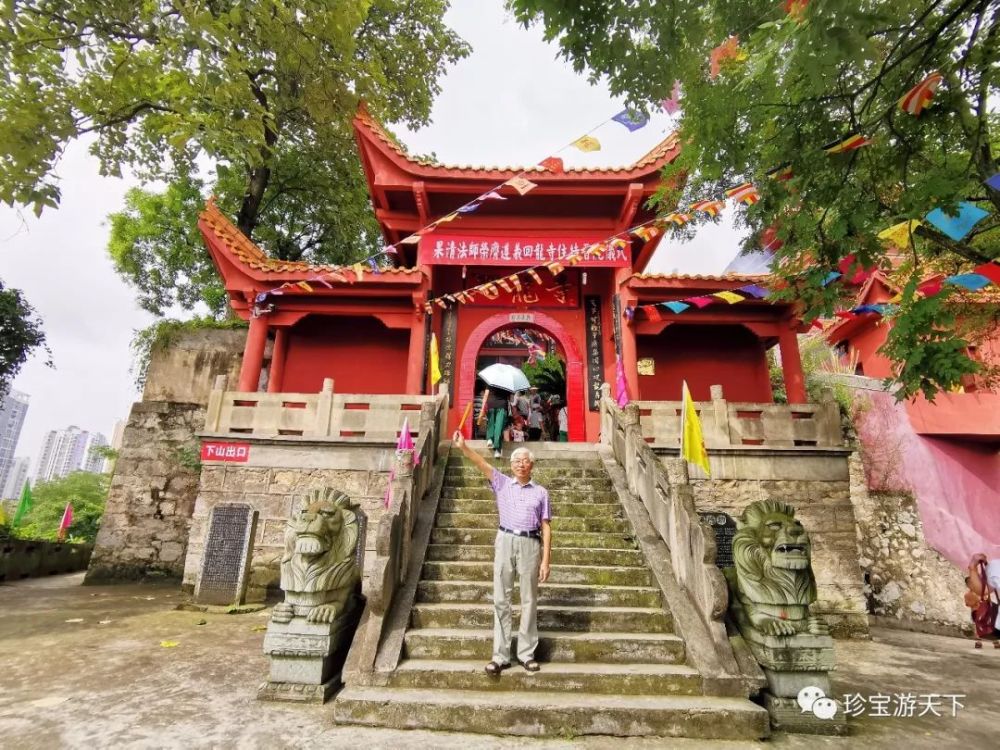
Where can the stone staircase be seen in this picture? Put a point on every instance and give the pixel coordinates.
(611, 663)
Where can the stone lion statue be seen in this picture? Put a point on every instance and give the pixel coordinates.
(319, 569)
(773, 582)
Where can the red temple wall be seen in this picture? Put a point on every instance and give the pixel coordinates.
(359, 353)
(726, 355)
(867, 343)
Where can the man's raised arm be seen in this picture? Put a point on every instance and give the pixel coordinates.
(481, 463)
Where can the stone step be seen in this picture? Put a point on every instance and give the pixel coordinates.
(551, 482)
(584, 618)
(588, 677)
(616, 648)
(549, 594)
(556, 496)
(560, 555)
(590, 463)
(563, 540)
(560, 508)
(537, 713)
(598, 575)
(559, 523)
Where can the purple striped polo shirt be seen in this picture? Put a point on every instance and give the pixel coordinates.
(522, 507)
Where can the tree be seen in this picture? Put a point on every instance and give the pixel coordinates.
(793, 77)
(86, 491)
(264, 89)
(20, 334)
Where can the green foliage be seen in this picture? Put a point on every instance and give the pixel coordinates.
(263, 89)
(20, 334)
(161, 334)
(86, 491)
(819, 360)
(548, 375)
(840, 68)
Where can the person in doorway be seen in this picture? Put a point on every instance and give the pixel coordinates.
(562, 417)
(493, 414)
(523, 546)
(535, 417)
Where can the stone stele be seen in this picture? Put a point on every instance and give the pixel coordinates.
(771, 587)
(310, 631)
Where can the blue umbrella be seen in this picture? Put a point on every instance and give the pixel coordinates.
(505, 377)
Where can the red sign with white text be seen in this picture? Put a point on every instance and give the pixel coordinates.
(522, 250)
(213, 450)
(562, 291)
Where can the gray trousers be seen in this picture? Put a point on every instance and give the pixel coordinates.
(522, 555)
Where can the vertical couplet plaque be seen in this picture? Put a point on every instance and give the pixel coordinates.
(595, 350)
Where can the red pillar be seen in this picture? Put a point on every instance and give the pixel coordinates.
(253, 354)
(277, 376)
(629, 350)
(791, 366)
(415, 360)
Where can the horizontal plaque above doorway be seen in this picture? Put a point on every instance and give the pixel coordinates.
(520, 250)
(563, 291)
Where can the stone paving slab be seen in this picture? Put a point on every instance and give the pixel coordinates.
(92, 685)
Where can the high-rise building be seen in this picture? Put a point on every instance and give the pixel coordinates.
(69, 450)
(16, 478)
(12, 411)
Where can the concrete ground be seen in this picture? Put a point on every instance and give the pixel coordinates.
(119, 666)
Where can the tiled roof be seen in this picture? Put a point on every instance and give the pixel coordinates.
(745, 277)
(660, 153)
(251, 256)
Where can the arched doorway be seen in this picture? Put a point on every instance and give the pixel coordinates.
(575, 397)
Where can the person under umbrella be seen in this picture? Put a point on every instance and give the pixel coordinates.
(493, 414)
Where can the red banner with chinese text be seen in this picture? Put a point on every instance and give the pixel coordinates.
(213, 450)
(563, 291)
(522, 250)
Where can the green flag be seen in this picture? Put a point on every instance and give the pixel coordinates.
(24, 506)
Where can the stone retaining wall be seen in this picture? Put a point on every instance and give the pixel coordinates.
(29, 558)
(276, 475)
(817, 483)
(148, 513)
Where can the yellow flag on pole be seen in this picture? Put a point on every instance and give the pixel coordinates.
(692, 442)
(435, 362)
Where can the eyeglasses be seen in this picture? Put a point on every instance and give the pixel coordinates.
(520, 461)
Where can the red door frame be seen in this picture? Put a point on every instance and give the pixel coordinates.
(574, 364)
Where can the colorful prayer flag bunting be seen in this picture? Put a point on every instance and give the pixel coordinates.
(731, 297)
(672, 104)
(534, 275)
(493, 195)
(702, 301)
(678, 218)
(631, 120)
(410, 240)
(587, 143)
(971, 281)
(994, 181)
(676, 307)
(468, 208)
(744, 193)
(848, 143)
(555, 268)
(553, 164)
(728, 50)
(304, 285)
(990, 270)
(900, 234)
(830, 278)
(958, 225)
(521, 184)
(931, 287)
(710, 207)
(513, 278)
(781, 172)
(914, 100)
(754, 291)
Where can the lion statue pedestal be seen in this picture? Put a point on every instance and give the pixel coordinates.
(309, 633)
(771, 588)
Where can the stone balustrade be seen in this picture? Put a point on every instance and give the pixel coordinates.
(326, 414)
(411, 476)
(665, 492)
(728, 424)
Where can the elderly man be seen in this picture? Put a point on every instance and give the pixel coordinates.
(523, 545)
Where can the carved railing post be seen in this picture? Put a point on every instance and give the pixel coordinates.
(324, 410)
(717, 432)
(213, 413)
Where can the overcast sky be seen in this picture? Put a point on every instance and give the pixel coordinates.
(510, 102)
